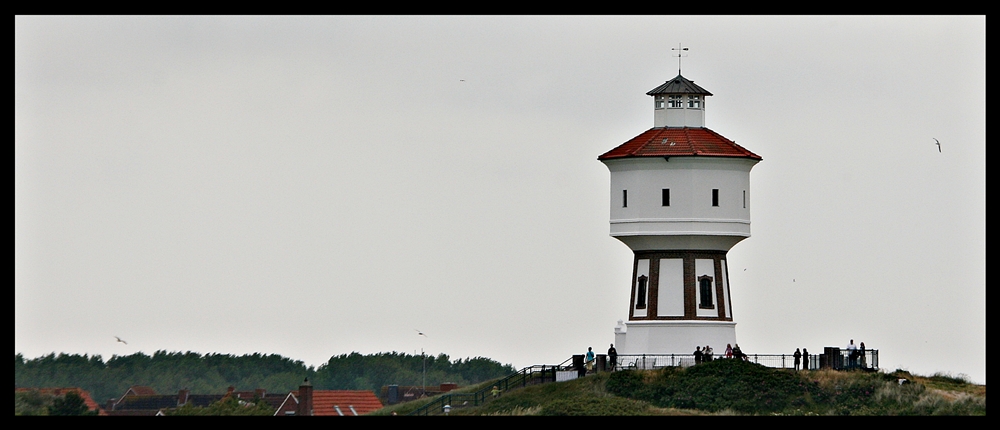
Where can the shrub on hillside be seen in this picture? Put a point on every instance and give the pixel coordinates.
(719, 385)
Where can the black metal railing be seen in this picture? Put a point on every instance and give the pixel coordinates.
(836, 359)
(845, 359)
(531, 375)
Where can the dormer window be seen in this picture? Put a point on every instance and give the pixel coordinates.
(675, 101)
(694, 102)
(658, 102)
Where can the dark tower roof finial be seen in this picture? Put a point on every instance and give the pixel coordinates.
(680, 53)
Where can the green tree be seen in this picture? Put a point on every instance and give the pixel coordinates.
(227, 406)
(32, 402)
(70, 404)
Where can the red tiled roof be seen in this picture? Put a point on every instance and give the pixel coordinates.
(679, 142)
(326, 402)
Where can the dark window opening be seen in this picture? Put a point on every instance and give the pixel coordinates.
(744, 199)
(640, 293)
(705, 286)
(624, 198)
(666, 197)
(715, 197)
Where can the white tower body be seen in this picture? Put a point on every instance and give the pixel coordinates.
(680, 200)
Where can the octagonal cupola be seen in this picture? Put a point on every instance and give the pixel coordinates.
(679, 102)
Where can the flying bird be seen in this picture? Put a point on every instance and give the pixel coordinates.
(120, 340)
(420, 333)
(938, 144)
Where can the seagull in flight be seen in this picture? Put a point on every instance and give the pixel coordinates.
(120, 340)
(938, 144)
(420, 333)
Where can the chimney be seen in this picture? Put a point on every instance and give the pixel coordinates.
(305, 407)
(259, 393)
(448, 386)
(182, 397)
(111, 404)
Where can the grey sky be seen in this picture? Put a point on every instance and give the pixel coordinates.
(312, 186)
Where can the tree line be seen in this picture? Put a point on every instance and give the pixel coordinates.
(169, 372)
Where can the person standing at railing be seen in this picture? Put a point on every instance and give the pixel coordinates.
(697, 355)
(729, 351)
(738, 353)
(798, 356)
(590, 359)
(613, 358)
(864, 361)
(852, 355)
(708, 353)
(805, 359)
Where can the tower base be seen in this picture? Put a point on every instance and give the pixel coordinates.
(673, 337)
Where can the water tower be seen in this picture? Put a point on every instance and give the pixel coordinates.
(680, 200)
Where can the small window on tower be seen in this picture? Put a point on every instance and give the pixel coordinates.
(715, 197)
(624, 198)
(694, 102)
(640, 292)
(705, 291)
(666, 197)
(675, 101)
(658, 101)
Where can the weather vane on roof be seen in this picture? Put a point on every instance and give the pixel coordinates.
(680, 53)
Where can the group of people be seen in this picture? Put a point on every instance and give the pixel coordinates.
(854, 355)
(708, 354)
(801, 357)
(589, 359)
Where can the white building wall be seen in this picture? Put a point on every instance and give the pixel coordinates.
(675, 337)
(670, 292)
(680, 117)
(691, 181)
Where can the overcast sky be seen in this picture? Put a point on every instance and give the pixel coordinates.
(313, 186)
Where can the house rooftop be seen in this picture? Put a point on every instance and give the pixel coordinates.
(678, 142)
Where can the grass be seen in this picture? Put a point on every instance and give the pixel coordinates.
(406, 408)
(727, 387)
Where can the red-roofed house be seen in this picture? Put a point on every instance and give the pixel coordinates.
(680, 200)
(308, 402)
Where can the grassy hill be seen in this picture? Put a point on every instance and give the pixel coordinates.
(728, 387)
